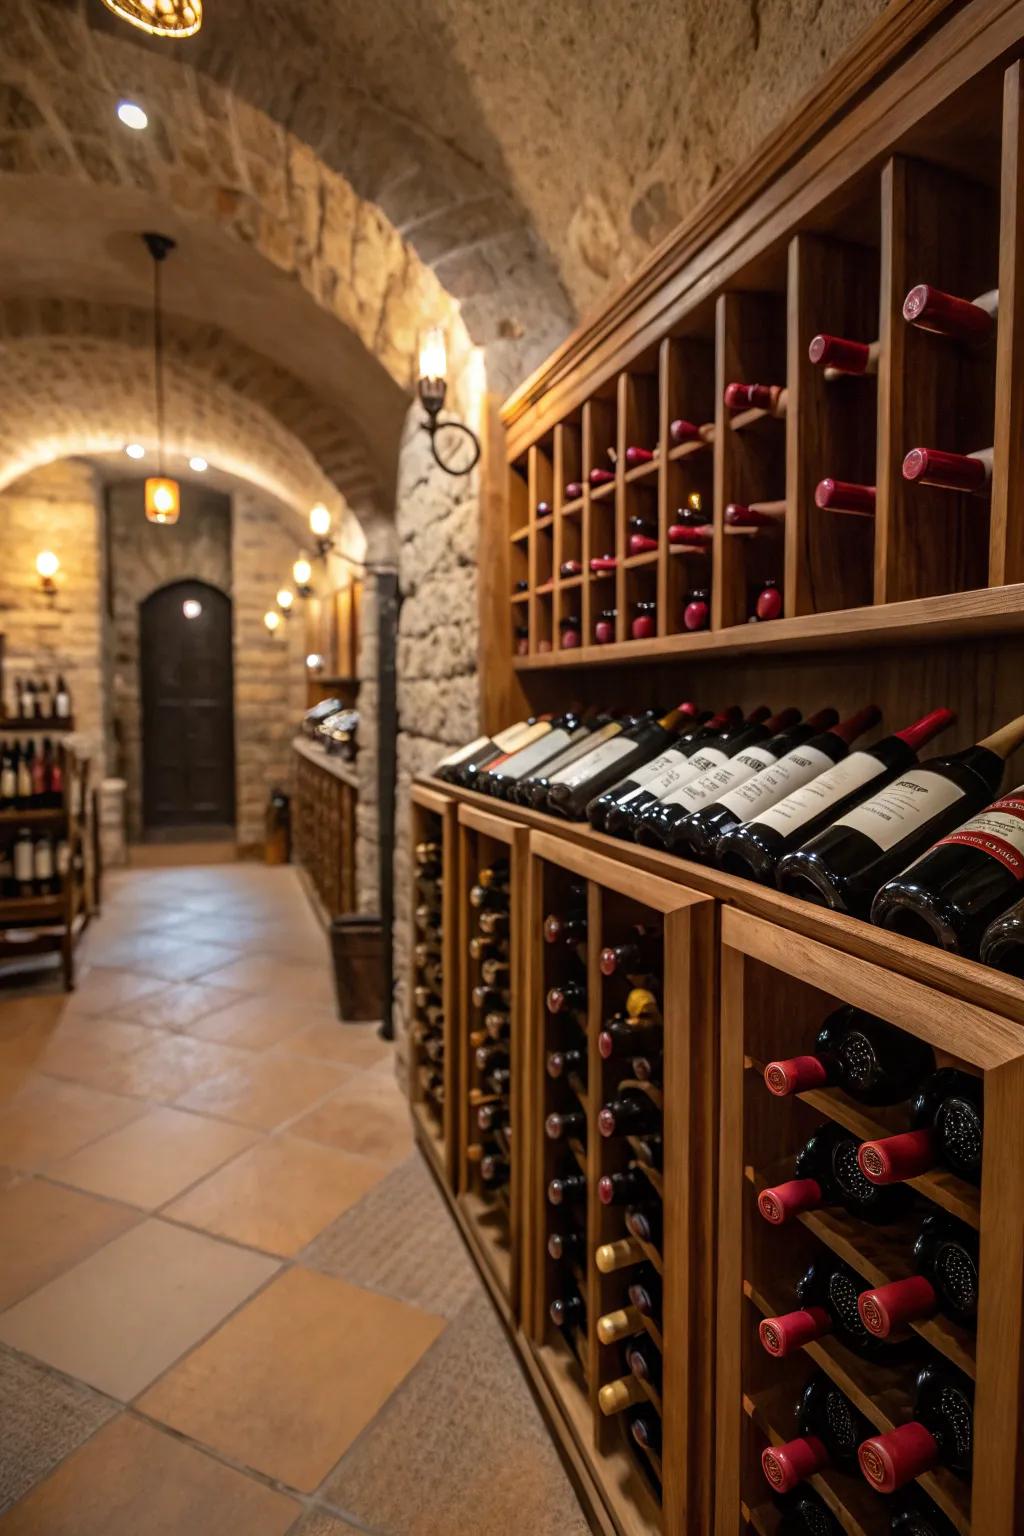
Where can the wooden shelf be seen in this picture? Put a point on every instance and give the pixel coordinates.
(32, 818)
(52, 727)
(642, 472)
(637, 562)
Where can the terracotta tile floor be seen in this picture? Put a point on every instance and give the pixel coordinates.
(231, 1299)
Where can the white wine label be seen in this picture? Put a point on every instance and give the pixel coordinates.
(997, 831)
(23, 861)
(645, 777)
(814, 799)
(519, 763)
(707, 789)
(685, 772)
(539, 731)
(8, 784)
(43, 859)
(595, 762)
(581, 748)
(774, 783)
(515, 736)
(899, 811)
(453, 757)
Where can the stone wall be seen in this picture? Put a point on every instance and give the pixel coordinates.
(144, 557)
(56, 508)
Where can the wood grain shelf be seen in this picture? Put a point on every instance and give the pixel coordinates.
(56, 725)
(637, 562)
(33, 817)
(641, 472)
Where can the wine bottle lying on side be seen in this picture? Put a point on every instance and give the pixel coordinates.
(571, 790)
(950, 895)
(827, 1173)
(869, 1059)
(483, 750)
(620, 806)
(698, 727)
(805, 1514)
(941, 1433)
(655, 810)
(532, 788)
(831, 1430)
(947, 1116)
(845, 865)
(1003, 943)
(946, 1280)
(828, 1293)
(499, 777)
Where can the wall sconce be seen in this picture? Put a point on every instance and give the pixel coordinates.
(302, 575)
(456, 447)
(320, 528)
(284, 600)
(163, 500)
(314, 662)
(272, 619)
(47, 566)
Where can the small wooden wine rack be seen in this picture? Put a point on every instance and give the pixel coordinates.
(777, 988)
(431, 1081)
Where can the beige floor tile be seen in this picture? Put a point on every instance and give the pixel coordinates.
(187, 958)
(102, 989)
(155, 1158)
(48, 1120)
(82, 1046)
(264, 1092)
(47, 1229)
(167, 1066)
(125, 1314)
(309, 985)
(131, 1479)
(287, 1384)
(367, 1115)
(253, 1021)
(279, 1195)
(178, 1006)
(349, 1045)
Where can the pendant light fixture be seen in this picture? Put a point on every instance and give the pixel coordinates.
(163, 495)
(160, 18)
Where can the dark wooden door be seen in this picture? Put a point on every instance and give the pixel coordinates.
(188, 732)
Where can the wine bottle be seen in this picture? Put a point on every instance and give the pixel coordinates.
(644, 1222)
(622, 1254)
(756, 848)
(494, 922)
(839, 355)
(869, 1059)
(567, 1189)
(62, 699)
(918, 1516)
(940, 1434)
(697, 835)
(1003, 943)
(638, 956)
(26, 757)
(950, 895)
(566, 1064)
(568, 1311)
(831, 1431)
(483, 750)
(698, 726)
(827, 1173)
(8, 778)
(619, 1038)
(661, 825)
(477, 775)
(804, 1514)
(644, 1292)
(24, 863)
(627, 1187)
(948, 1119)
(568, 997)
(828, 1293)
(764, 397)
(645, 1429)
(845, 865)
(971, 472)
(493, 1116)
(532, 789)
(572, 790)
(615, 1396)
(734, 736)
(500, 778)
(495, 1170)
(946, 1280)
(567, 1245)
(644, 1361)
(631, 1114)
(558, 1126)
(931, 309)
(845, 496)
(619, 1324)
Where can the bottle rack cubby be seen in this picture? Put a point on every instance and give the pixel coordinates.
(639, 439)
(490, 1050)
(433, 994)
(583, 1254)
(777, 990)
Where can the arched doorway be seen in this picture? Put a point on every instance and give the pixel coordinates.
(188, 728)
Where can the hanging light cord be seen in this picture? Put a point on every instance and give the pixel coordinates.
(158, 359)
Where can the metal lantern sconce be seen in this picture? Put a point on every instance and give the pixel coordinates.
(302, 575)
(47, 566)
(320, 528)
(272, 620)
(456, 447)
(284, 600)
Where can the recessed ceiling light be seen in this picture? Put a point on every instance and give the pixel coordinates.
(198, 463)
(135, 450)
(132, 115)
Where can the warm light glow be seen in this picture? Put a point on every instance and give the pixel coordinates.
(160, 18)
(132, 115)
(272, 619)
(47, 564)
(191, 607)
(163, 500)
(135, 450)
(302, 572)
(198, 463)
(433, 356)
(314, 661)
(319, 521)
(285, 598)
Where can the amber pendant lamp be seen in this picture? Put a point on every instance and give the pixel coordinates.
(163, 495)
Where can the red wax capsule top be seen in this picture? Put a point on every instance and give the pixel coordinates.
(933, 310)
(844, 496)
(601, 476)
(742, 397)
(681, 431)
(889, 1461)
(636, 456)
(891, 1159)
(683, 533)
(603, 563)
(640, 544)
(785, 1201)
(769, 602)
(696, 613)
(739, 516)
(922, 731)
(574, 490)
(787, 1465)
(796, 1075)
(838, 352)
(887, 1307)
(783, 1335)
(952, 471)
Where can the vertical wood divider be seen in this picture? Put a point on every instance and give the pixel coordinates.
(587, 536)
(731, 1195)
(725, 367)
(458, 1047)
(557, 498)
(1006, 555)
(533, 480)
(534, 1264)
(623, 418)
(665, 362)
(595, 1210)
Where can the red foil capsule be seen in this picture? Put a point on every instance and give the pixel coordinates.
(784, 1335)
(571, 638)
(839, 353)
(784, 1202)
(888, 1307)
(931, 309)
(796, 1075)
(640, 544)
(645, 623)
(744, 397)
(845, 496)
(891, 1159)
(951, 471)
(601, 563)
(682, 533)
(785, 1466)
(892, 1460)
(737, 515)
(681, 431)
(635, 456)
(769, 602)
(696, 614)
(574, 490)
(602, 476)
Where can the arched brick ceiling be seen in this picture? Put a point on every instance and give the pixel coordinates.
(530, 148)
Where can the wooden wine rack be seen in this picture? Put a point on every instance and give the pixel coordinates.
(326, 797)
(492, 1222)
(433, 820)
(777, 988)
